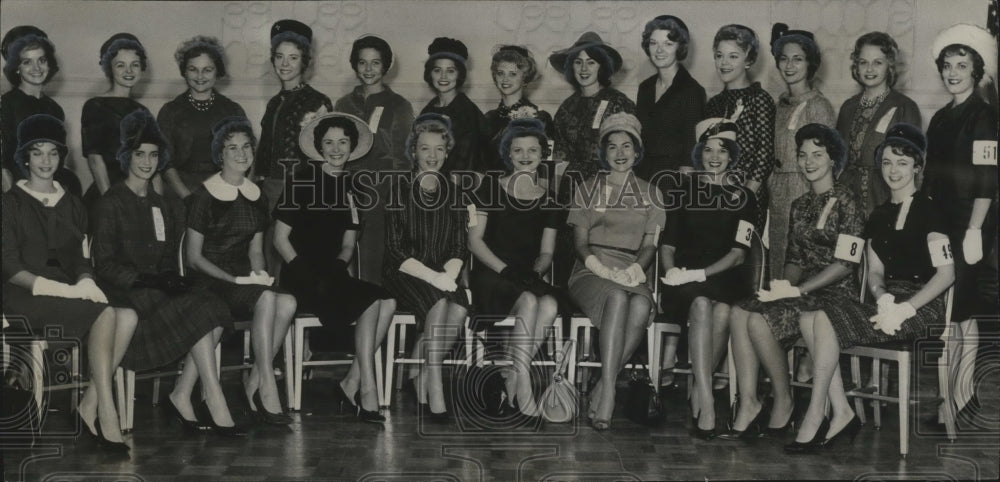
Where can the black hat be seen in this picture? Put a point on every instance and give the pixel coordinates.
(587, 40)
(39, 128)
(294, 26)
(118, 36)
(680, 22)
(902, 133)
(780, 30)
(16, 33)
(137, 128)
(448, 48)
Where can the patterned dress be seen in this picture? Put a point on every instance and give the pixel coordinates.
(617, 218)
(497, 120)
(907, 261)
(787, 183)
(431, 230)
(576, 127)
(141, 235)
(812, 242)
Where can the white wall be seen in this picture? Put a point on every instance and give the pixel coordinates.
(78, 28)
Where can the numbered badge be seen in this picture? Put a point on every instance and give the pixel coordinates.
(744, 233)
(940, 250)
(158, 225)
(984, 153)
(849, 248)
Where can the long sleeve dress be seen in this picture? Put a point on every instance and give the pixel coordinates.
(617, 218)
(46, 240)
(577, 122)
(15, 106)
(468, 125)
(431, 230)
(787, 182)
(101, 129)
(668, 122)
(497, 120)
(812, 244)
(141, 235)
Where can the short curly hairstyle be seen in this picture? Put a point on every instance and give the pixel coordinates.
(886, 44)
(327, 123)
(828, 138)
(224, 130)
(813, 56)
(117, 46)
(677, 32)
(604, 73)
(29, 42)
(602, 157)
(371, 42)
(978, 64)
(300, 42)
(730, 145)
(518, 56)
(431, 123)
(744, 37)
(517, 129)
(198, 45)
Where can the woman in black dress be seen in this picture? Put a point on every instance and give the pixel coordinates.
(962, 176)
(123, 60)
(823, 251)
(513, 69)
(226, 220)
(47, 276)
(909, 268)
(135, 257)
(445, 72)
(705, 240)
(425, 248)
(305, 235)
(32, 64)
(512, 236)
(187, 120)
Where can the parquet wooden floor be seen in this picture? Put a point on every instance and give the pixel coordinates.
(324, 445)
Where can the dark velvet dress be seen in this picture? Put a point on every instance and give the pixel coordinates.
(101, 126)
(15, 106)
(321, 286)
(468, 125)
(141, 235)
(668, 122)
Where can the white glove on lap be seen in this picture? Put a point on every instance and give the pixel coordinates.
(256, 278)
(894, 316)
(47, 287)
(88, 290)
(443, 282)
(453, 267)
(884, 302)
(636, 276)
(672, 277)
(780, 289)
(597, 267)
(972, 246)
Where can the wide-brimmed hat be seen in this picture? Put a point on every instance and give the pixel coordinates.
(137, 128)
(974, 37)
(589, 39)
(715, 128)
(307, 136)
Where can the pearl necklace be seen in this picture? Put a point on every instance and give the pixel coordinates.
(866, 102)
(201, 105)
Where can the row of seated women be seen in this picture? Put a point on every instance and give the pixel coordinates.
(614, 234)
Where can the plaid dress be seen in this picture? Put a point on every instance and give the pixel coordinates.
(127, 242)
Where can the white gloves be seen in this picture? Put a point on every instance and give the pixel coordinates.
(632, 276)
(453, 268)
(86, 289)
(780, 289)
(890, 318)
(440, 280)
(256, 278)
(679, 276)
(972, 246)
(443, 282)
(597, 267)
(885, 301)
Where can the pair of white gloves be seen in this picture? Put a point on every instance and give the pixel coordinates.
(891, 315)
(632, 276)
(85, 289)
(680, 276)
(442, 280)
(780, 289)
(256, 278)
(972, 245)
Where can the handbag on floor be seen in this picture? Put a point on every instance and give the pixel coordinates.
(559, 401)
(642, 403)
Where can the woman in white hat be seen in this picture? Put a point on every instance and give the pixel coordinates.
(615, 229)
(705, 239)
(962, 175)
(315, 233)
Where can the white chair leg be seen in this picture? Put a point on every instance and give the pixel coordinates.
(37, 372)
(390, 363)
(859, 406)
(654, 350)
(120, 397)
(296, 402)
(877, 381)
(904, 404)
(130, 398)
(289, 378)
(379, 385)
(946, 413)
(731, 364)
(76, 376)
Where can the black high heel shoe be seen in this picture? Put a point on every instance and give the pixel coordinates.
(371, 416)
(267, 417)
(229, 432)
(849, 431)
(753, 430)
(103, 442)
(782, 430)
(340, 397)
(704, 434)
(86, 428)
(812, 446)
(191, 426)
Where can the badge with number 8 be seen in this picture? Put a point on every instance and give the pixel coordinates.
(849, 248)
(940, 251)
(744, 233)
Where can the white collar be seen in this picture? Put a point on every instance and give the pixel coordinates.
(223, 191)
(47, 199)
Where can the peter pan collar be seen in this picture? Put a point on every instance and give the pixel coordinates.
(47, 199)
(223, 191)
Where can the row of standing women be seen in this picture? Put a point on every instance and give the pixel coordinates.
(137, 231)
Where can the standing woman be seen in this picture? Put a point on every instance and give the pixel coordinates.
(445, 72)
(123, 60)
(962, 176)
(909, 269)
(47, 278)
(513, 69)
(615, 240)
(864, 118)
(225, 246)
(702, 244)
(315, 271)
(670, 102)
(824, 248)
(32, 64)
(425, 249)
(797, 58)
(513, 236)
(135, 253)
(187, 120)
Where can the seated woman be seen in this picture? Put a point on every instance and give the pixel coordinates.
(49, 281)
(824, 247)
(425, 244)
(909, 268)
(512, 235)
(135, 253)
(226, 220)
(705, 239)
(615, 239)
(315, 271)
